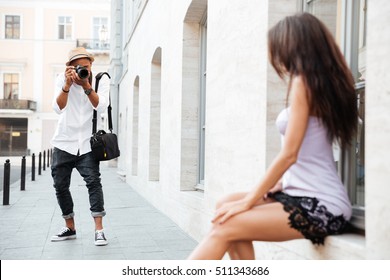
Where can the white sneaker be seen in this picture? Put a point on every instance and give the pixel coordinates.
(100, 239)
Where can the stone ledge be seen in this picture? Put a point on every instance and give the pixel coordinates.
(341, 247)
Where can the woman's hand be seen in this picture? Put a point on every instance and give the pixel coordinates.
(277, 188)
(230, 209)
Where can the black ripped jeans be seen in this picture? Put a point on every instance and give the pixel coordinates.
(61, 171)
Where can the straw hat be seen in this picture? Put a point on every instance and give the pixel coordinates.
(77, 53)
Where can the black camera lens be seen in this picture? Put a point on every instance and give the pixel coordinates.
(82, 71)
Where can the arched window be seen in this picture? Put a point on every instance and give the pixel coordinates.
(155, 117)
(193, 124)
(134, 169)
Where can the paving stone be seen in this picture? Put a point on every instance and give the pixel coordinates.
(134, 228)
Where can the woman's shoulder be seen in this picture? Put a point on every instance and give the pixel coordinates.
(298, 92)
(297, 79)
(298, 85)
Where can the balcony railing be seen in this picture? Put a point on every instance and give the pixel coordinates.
(93, 44)
(18, 104)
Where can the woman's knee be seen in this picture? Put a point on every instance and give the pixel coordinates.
(220, 202)
(222, 232)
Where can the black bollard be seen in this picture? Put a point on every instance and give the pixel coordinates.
(7, 171)
(40, 163)
(23, 174)
(44, 160)
(33, 167)
(48, 159)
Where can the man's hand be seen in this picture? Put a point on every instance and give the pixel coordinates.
(81, 82)
(69, 71)
(72, 77)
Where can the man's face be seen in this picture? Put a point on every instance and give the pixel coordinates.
(85, 62)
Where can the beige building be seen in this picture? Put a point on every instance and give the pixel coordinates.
(35, 38)
(198, 102)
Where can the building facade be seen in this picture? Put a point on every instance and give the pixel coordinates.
(35, 38)
(197, 101)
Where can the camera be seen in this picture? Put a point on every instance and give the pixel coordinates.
(82, 71)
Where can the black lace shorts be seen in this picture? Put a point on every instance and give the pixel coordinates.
(314, 221)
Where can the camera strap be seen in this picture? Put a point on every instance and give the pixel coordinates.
(94, 119)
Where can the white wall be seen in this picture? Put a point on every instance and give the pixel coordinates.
(378, 131)
(244, 97)
(236, 105)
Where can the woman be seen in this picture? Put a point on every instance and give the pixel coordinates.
(300, 195)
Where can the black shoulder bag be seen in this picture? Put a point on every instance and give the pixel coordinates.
(104, 145)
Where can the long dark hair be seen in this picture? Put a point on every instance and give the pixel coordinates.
(302, 45)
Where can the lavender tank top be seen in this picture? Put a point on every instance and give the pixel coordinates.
(315, 174)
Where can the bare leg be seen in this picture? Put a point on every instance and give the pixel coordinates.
(241, 250)
(70, 223)
(268, 222)
(98, 223)
(210, 248)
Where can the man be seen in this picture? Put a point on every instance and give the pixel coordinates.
(74, 101)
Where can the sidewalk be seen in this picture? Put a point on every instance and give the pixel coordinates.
(134, 229)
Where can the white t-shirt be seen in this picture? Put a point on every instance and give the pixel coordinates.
(315, 174)
(74, 127)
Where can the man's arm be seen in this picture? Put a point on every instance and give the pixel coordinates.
(92, 96)
(62, 97)
(102, 96)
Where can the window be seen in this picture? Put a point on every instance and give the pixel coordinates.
(155, 116)
(326, 11)
(99, 32)
(354, 159)
(347, 21)
(65, 28)
(193, 101)
(13, 136)
(134, 169)
(12, 27)
(202, 99)
(11, 86)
